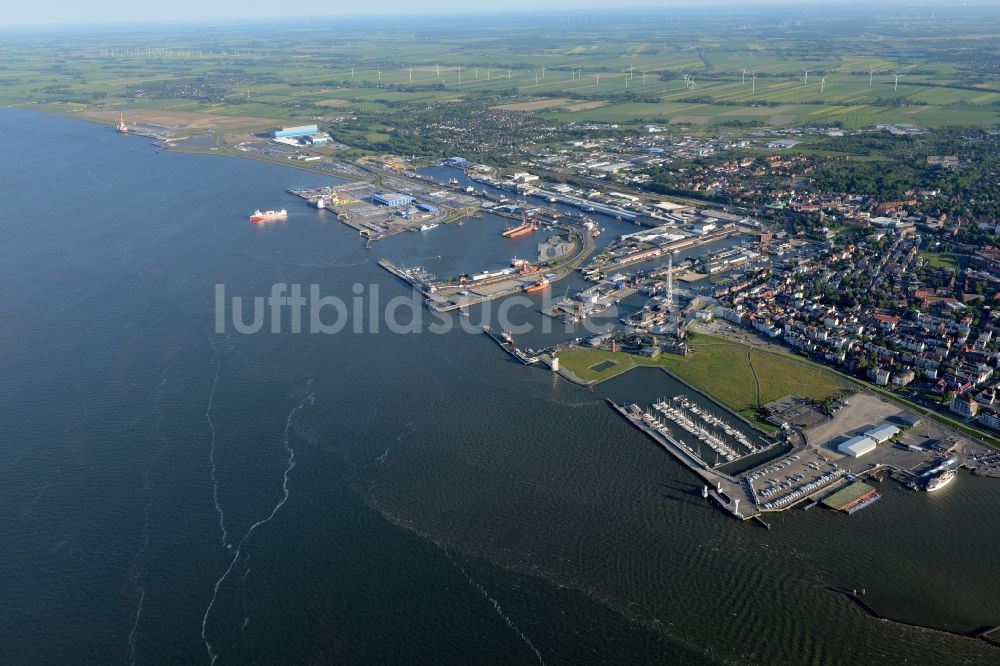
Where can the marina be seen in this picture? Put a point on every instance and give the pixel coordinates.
(724, 490)
(809, 474)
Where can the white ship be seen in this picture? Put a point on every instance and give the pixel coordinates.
(941, 480)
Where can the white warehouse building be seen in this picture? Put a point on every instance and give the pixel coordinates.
(857, 446)
(882, 433)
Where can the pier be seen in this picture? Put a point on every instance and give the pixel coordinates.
(507, 344)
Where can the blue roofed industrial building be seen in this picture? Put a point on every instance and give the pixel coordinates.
(392, 199)
(427, 208)
(294, 132)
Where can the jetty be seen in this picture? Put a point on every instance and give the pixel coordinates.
(506, 343)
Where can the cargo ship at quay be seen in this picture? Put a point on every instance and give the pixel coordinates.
(520, 230)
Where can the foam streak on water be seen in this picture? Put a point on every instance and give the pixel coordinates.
(146, 485)
(211, 453)
(496, 606)
(236, 555)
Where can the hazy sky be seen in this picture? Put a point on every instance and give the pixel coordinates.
(101, 11)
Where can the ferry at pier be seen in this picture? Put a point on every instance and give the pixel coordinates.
(268, 215)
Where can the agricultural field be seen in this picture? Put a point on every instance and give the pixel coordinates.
(630, 68)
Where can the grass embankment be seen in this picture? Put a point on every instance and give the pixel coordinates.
(736, 375)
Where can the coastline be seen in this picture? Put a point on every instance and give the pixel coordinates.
(435, 535)
(761, 346)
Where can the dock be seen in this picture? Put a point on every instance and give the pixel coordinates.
(449, 296)
(408, 276)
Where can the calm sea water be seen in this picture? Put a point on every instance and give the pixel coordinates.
(169, 494)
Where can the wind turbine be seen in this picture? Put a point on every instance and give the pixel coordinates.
(805, 79)
(895, 85)
(630, 74)
(871, 75)
(753, 83)
(380, 76)
(411, 75)
(691, 82)
(477, 73)
(822, 85)
(597, 79)
(460, 75)
(644, 78)
(543, 71)
(438, 69)
(508, 72)
(687, 80)
(744, 76)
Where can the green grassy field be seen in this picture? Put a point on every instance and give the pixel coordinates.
(622, 68)
(939, 260)
(736, 375)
